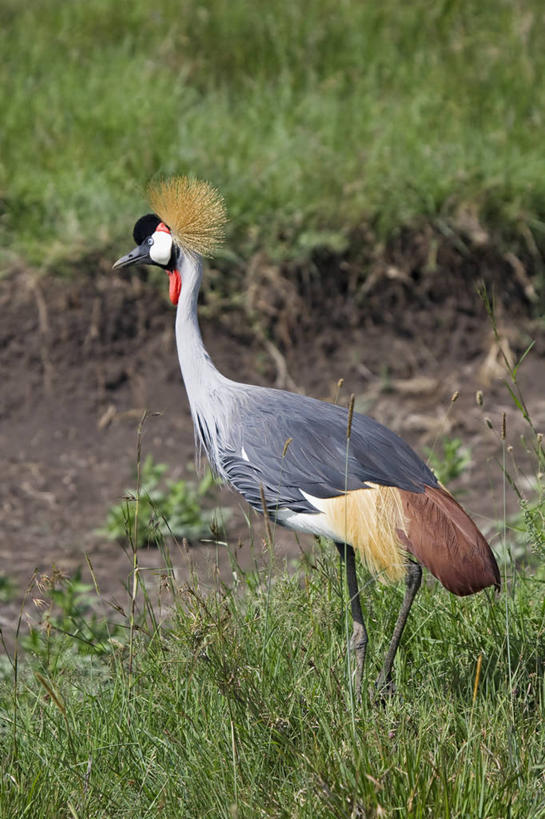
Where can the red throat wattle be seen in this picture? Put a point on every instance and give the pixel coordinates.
(174, 285)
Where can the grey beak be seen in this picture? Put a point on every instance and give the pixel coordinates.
(138, 255)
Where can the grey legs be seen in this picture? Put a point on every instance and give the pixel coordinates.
(359, 633)
(414, 577)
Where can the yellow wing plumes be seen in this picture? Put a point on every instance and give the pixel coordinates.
(369, 519)
(193, 210)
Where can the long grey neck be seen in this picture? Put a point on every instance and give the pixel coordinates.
(201, 378)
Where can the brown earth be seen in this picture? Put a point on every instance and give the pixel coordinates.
(80, 361)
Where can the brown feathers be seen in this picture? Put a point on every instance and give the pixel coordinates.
(444, 539)
(385, 524)
(193, 210)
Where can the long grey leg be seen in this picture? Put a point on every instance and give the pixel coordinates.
(359, 633)
(414, 577)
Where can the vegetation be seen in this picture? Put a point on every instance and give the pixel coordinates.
(67, 607)
(241, 706)
(166, 508)
(311, 118)
(451, 462)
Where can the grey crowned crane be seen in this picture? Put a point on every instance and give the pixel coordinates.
(367, 491)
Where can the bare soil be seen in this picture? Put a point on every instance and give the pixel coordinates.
(80, 361)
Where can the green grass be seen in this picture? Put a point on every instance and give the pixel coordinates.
(165, 508)
(451, 462)
(240, 706)
(311, 117)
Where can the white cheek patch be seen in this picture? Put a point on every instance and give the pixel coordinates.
(161, 248)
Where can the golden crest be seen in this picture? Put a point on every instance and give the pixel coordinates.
(193, 210)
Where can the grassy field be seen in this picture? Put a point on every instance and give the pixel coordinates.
(311, 117)
(242, 706)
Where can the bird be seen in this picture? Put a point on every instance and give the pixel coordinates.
(307, 464)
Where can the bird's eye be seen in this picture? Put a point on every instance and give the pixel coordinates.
(150, 240)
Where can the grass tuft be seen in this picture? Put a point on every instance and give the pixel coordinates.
(241, 704)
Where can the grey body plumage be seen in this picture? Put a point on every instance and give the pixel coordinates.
(290, 444)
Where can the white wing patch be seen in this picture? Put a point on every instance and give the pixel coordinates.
(318, 503)
(244, 455)
(312, 524)
(308, 523)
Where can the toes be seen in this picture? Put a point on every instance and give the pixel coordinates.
(384, 688)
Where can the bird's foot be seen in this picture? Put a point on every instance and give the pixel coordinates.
(384, 688)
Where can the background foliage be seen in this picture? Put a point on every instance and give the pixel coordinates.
(311, 117)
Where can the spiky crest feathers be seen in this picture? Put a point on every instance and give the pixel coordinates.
(194, 211)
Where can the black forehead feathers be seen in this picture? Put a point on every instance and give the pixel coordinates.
(145, 227)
